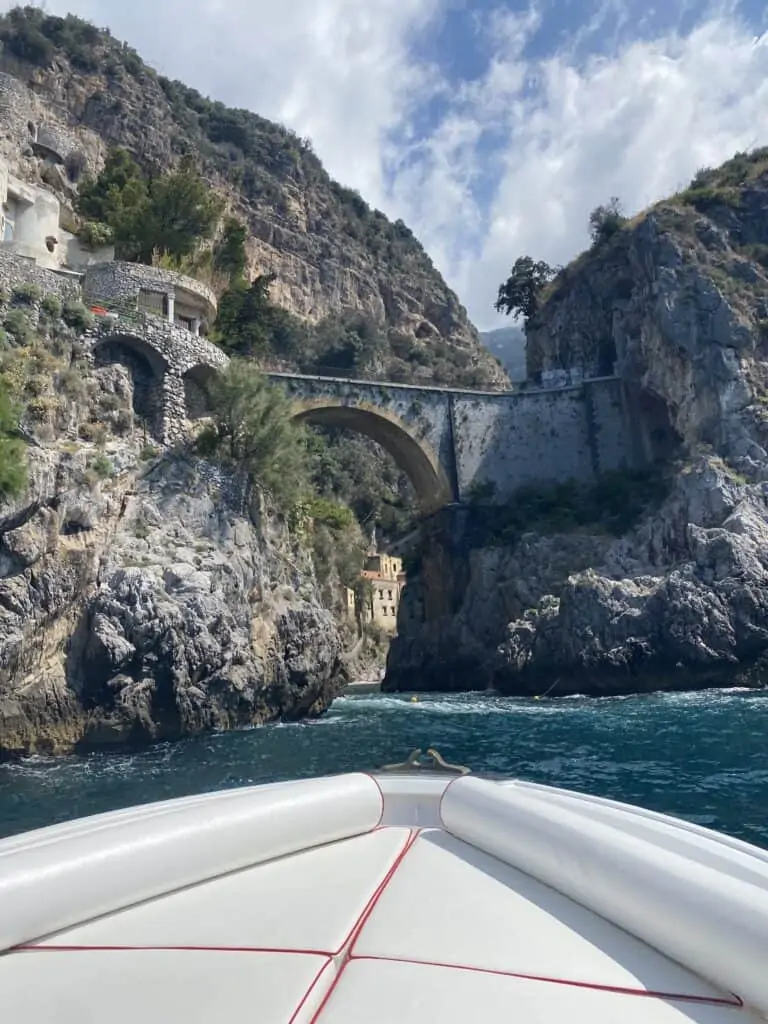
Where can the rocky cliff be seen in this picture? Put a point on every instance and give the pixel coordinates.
(70, 92)
(144, 594)
(676, 303)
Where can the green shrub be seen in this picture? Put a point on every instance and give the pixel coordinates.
(606, 221)
(613, 502)
(41, 407)
(705, 198)
(253, 429)
(109, 402)
(25, 294)
(148, 452)
(335, 516)
(76, 315)
(17, 323)
(71, 382)
(94, 234)
(37, 384)
(96, 433)
(51, 306)
(141, 529)
(13, 456)
(102, 466)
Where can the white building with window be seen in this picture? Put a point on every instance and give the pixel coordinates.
(29, 227)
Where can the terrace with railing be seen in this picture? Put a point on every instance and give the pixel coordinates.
(133, 292)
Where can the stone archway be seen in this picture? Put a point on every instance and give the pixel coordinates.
(414, 456)
(147, 368)
(197, 380)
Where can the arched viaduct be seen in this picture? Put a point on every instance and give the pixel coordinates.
(450, 442)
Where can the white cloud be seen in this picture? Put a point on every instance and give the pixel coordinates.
(337, 71)
(636, 124)
(519, 157)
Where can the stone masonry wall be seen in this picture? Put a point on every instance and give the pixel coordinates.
(170, 352)
(118, 281)
(613, 437)
(499, 441)
(16, 269)
(505, 441)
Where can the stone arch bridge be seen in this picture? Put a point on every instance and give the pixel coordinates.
(455, 442)
(451, 442)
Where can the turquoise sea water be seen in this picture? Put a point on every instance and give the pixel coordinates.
(702, 756)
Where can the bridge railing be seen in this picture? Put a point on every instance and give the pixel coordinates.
(402, 376)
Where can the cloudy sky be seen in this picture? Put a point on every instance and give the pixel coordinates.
(492, 128)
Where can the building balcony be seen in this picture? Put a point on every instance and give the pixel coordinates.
(133, 288)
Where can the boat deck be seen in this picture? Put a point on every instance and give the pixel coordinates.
(403, 924)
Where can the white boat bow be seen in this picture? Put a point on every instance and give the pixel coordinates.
(409, 895)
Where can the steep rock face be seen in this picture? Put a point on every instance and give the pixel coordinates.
(677, 303)
(329, 251)
(146, 596)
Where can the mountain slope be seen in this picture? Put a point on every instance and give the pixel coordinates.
(508, 345)
(675, 302)
(329, 251)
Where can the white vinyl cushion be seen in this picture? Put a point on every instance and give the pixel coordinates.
(451, 903)
(307, 901)
(713, 922)
(73, 875)
(374, 992)
(720, 851)
(161, 987)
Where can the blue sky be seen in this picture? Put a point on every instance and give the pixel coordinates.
(492, 128)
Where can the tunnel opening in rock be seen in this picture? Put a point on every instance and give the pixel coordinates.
(658, 440)
(146, 367)
(197, 383)
(412, 455)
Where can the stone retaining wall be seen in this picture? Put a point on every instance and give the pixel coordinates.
(16, 270)
(116, 280)
(168, 352)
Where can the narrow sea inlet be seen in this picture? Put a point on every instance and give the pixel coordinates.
(702, 756)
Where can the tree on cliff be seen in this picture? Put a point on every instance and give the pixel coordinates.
(519, 294)
(245, 316)
(606, 220)
(230, 257)
(115, 204)
(172, 213)
(253, 429)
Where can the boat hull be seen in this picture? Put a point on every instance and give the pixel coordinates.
(383, 898)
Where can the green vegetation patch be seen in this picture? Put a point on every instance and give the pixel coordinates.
(612, 503)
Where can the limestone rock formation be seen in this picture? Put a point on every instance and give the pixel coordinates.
(677, 304)
(144, 595)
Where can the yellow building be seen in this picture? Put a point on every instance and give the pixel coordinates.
(386, 578)
(386, 567)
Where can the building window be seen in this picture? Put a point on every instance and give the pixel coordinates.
(392, 610)
(153, 302)
(389, 594)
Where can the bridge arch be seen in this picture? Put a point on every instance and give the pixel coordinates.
(413, 455)
(197, 382)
